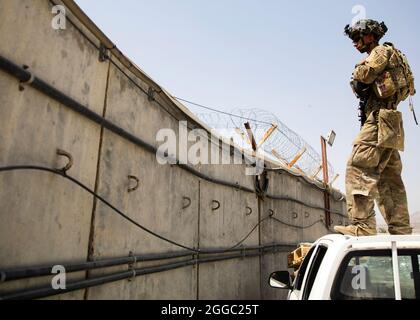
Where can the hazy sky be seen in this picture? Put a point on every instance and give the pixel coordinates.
(289, 58)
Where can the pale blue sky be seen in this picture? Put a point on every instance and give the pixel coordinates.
(289, 58)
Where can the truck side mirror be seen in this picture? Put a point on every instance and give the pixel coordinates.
(280, 279)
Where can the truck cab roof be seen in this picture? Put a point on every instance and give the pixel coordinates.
(345, 242)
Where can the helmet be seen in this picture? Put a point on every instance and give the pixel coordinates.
(364, 27)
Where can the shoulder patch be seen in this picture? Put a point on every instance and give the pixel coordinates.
(378, 57)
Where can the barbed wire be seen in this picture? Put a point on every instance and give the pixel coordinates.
(283, 144)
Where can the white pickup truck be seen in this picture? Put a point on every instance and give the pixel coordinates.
(341, 267)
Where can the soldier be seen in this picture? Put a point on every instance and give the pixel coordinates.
(381, 81)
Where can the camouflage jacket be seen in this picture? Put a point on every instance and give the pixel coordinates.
(382, 129)
(369, 70)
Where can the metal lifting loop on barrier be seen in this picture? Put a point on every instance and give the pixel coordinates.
(270, 213)
(151, 94)
(248, 211)
(27, 82)
(137, 183)
(217, 203)
(103, 53)
(186, 202)
(69, 157)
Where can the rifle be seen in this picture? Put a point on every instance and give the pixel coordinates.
(362, 92)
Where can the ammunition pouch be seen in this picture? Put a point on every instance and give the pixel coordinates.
(390, 129)
(389, 82)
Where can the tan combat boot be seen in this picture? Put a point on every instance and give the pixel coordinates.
(355, 230)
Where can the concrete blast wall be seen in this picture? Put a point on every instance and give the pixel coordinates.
(45, 219)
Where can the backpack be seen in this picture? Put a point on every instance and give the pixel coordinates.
(397, 77)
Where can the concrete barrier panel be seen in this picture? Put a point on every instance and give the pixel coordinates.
(63, 58)
(226, 218)
(45, 217)
(230, 280)
(159, 203)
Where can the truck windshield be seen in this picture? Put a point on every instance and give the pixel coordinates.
(369, 275)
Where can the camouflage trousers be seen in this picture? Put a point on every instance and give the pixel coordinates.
(374, 173)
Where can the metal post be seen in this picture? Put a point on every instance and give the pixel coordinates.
(297, 157)
(279, 157)
(251, 136)
(325, 176)
(324, 159)
(317, 171)
(267, 134)
(396, 270)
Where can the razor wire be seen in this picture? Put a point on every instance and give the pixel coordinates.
(282, 145)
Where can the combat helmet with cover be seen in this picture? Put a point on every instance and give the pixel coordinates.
(365, 27)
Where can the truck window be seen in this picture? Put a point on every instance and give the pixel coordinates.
(409, 274)
(406, 278)
(313, 271)
(369, 275)
(301, 272)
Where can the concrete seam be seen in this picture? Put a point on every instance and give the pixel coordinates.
(259, 243)
(95, 201)
(198, 238)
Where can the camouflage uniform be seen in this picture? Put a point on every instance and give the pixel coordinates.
(374, 168)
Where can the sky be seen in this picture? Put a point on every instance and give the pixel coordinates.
(288, 58)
